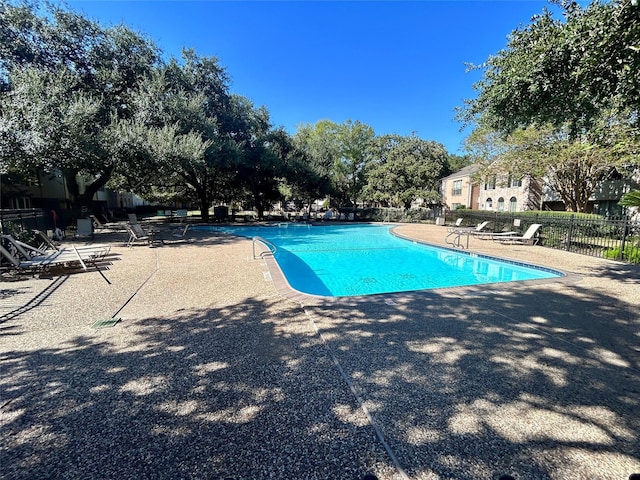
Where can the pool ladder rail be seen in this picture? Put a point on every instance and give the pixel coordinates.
(457, 234)
(272, 248)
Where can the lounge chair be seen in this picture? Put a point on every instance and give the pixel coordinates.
(181, 233)
(84, 228)
(528, 238)
(478, 229)
(65, 259)
(138, 234)
(48, 244)
(30, 266)
(133, 218)
(471, 230)
(109, 226)
(87, 253)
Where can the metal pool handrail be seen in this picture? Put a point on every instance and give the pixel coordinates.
(272, 248)
(457, 233)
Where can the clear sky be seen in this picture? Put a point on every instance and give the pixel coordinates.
(396, 66)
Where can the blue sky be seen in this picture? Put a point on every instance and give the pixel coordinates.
(396, 66)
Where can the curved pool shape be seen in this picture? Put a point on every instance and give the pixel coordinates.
(350, 260)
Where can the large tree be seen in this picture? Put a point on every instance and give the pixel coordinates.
(405, 169)
(355, 140)
(66, 82)
(568, 72)
(561, 100)
(176, 122)
(571, 167)
(320, 147)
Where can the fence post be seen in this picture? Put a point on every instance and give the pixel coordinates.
(624, 238)
(570, 233)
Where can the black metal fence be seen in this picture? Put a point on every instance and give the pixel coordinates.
(12, 221)
(616, 238)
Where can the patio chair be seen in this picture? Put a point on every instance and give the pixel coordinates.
(109, 226)
(84, 228)
(68, 254)
(471, 230)
(479, 229)
(48, 245)
(181, 233)
(528, 238)
(138, 234)
(45, 262)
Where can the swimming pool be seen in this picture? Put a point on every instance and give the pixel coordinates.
(350, 260)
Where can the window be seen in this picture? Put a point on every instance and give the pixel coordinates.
(20, 202)
(489, 204)
(515, 182)
(457, 188)
(454, 206)
(490, 184)
(513, 204)
(501, 204)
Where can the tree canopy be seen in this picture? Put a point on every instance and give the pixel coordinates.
(567, 72)
(66, 84)
(406, 169)
(561, 100)
(102, 105)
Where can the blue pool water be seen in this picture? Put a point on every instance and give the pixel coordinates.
(347, 260)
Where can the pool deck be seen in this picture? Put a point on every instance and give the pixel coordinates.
(216, 370)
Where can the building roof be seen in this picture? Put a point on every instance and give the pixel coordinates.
(467, 171)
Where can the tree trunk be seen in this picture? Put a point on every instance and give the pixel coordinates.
(85, 199)
(204, 206)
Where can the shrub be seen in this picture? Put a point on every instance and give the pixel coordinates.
(631, 253)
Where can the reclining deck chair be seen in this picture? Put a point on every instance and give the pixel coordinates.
(45, 248)
(87, 253)
(479, 229)
(138, 234)
(528, 238)
(181, 233)
(56, 259)
(108, 227)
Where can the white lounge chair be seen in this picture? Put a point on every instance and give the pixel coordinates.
(478, 229)
(84, 228)
(528, 238)
(471, 230)
(109, 227)
(181, 233)
(88, 253)
(138, 234)
(65, 259)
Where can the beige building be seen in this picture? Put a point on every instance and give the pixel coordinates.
(509, 194)
(498, 194)
(459, 189)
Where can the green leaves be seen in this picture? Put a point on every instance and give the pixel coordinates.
(565, 73)
(407, 169)
(631, 199)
